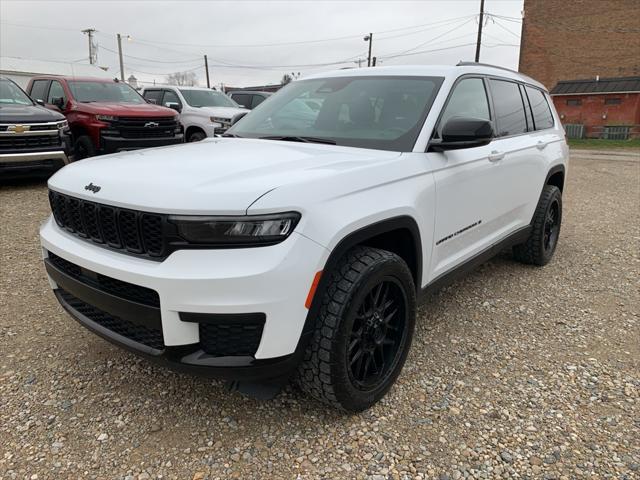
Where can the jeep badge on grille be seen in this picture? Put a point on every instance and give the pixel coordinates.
(92, 188)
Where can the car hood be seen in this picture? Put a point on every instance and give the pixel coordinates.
(223, 112)
(28, 114)
(125, 109)
(215, 176)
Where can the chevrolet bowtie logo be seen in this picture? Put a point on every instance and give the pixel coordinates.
(18, 128)
(152, 124)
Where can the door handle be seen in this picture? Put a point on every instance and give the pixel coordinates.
(496, 156)
(541, 145)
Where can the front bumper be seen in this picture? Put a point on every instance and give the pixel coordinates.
(273, 281)
(30, 163)
(119, 144)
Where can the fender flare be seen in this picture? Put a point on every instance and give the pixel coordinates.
(352, 239)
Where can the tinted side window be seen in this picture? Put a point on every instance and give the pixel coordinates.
(257, 100)
(38, 89)
(56, 91)
(154, 95)
(243, 99)
(510, 116)
(542, 116)
(468, 99)
(170, 97)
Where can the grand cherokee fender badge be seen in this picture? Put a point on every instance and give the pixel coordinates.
(92, 188)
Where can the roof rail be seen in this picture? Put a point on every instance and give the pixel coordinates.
(478, 64)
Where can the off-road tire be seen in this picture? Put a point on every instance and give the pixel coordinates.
(83, 147)
(533, 251)
(324, 372)
(196, 136)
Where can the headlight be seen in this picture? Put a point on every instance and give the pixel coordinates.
(236, 231)
(224, 121)
(63, 125)
(106, 118)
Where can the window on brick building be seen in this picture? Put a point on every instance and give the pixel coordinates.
(613, 101)
(574, 102)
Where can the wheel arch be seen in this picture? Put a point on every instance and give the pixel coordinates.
(380, 234)
(192, 129)
(556, 176)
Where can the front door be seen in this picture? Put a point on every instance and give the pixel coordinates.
(467, 182)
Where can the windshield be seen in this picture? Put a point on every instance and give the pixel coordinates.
(384, 113)
(10, 93)
(207, 98)
(104, 92)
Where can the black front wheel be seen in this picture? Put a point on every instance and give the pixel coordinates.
(363, 332)
(197, 136)
(83, 147)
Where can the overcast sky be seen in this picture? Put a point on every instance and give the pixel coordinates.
(256, 42)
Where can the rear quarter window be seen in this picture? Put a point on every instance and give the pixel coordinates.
(540, 109)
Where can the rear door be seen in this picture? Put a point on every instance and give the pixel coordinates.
(467, 215)
(523, 166)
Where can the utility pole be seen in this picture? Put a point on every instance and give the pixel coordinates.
(206, 69)
(480, 22)
(369, 38)
(120, 55)
(92, 54)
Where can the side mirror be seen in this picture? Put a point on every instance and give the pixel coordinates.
(40, 102)
(151, 101)
(461, 132)
(173, 106)
(58, 102)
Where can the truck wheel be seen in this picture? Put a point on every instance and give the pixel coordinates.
(83, 147)
(363, 332)
(196, 136)
(539, 247)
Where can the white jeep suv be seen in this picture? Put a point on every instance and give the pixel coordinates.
(203, 112)
(297, 245)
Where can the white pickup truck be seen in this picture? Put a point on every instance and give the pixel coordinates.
(203, 112)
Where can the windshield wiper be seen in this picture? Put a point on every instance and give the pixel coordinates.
(293, 138)
(232, 135)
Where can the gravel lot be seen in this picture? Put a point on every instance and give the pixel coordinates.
(515, 372)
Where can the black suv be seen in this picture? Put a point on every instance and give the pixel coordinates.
(33, 139)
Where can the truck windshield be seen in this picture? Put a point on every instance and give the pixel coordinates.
(10, 93)
(207, 98)
(380, 112)
(104, 92)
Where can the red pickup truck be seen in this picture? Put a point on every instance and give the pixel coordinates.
(106, 116)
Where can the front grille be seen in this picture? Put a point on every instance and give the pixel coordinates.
(131, 231)
(113, 286)
(150, 337)
(134, 127)
(240, 339)
(28, 142)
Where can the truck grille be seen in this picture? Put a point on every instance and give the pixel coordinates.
(130, 231)
(28, 142)
(135, 127)
(150, 337)
(113, 286)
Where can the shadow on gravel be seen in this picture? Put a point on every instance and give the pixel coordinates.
(26, 182)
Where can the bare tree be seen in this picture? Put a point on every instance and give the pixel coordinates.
(286, 78)
(186, 79)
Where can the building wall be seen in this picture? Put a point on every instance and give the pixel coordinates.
(579, 39)
(595, 114)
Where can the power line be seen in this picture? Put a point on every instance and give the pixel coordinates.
(153, 61)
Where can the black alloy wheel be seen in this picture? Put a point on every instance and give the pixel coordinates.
(376, 335)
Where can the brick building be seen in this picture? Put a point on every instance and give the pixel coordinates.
(600, 107)
(580, 39)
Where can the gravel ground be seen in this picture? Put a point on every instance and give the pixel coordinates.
(515, 372)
